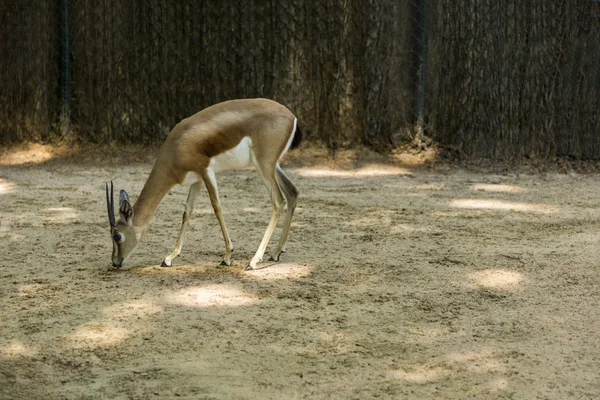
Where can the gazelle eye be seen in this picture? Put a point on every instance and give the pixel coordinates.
(118, 237)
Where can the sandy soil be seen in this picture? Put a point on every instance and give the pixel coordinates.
(400, 281)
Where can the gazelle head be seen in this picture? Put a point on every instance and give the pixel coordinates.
(123, 234)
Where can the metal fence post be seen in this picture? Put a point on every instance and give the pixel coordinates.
(421, 51)
(64, 67)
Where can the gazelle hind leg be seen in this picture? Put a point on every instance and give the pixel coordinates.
(189, 208)
(290, 192)
(211, 186)
(267, 174)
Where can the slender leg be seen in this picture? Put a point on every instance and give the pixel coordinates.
(189, 208)
(211, 185)
(268, 176)
(290, 192)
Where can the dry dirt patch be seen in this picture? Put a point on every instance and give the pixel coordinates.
(400, 282)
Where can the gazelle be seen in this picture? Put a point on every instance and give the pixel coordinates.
(230, 135)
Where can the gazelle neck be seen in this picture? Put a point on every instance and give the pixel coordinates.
(155, 188)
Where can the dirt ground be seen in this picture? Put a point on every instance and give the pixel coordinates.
(401, 280)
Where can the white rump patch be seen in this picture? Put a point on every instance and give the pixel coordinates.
(291, 138)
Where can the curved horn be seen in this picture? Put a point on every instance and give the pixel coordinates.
(110, 205)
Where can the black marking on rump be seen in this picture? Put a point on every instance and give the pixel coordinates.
(297, 137)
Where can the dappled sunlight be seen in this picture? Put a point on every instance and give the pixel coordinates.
(17, 349)
(282, 271)
(386, 290)
(211, 296)
(399, 229)
(402, 228)
(99, 334)
(443, 367)
(33, 153)
(501, 205)
(6, 186)
(498, 384)
(29, 290)
(300, 225)
(419, 374)
(133, 309)
(438, 213)
(121, 322)
(496, 188)
(415, 158)
(366, 171)
(496, 279)
(479, 362)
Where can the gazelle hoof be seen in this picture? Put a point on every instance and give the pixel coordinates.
(278, 256)
(164, 264)
(223, 263)
(248, 267)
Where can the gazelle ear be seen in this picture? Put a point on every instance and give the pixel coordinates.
(125, 209)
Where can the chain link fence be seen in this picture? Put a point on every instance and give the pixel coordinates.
(488, 79)
(29, 46)
(513, 79)
(136, 68)
(143, 67)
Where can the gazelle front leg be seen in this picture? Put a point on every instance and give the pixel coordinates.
(210, 181)
(189, 208)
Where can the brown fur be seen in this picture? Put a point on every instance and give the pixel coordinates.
(216, 129)
(191, 145)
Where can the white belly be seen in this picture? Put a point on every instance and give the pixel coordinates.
(190, 179)
(236, 158)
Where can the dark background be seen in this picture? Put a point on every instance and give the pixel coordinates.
(492, 79)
